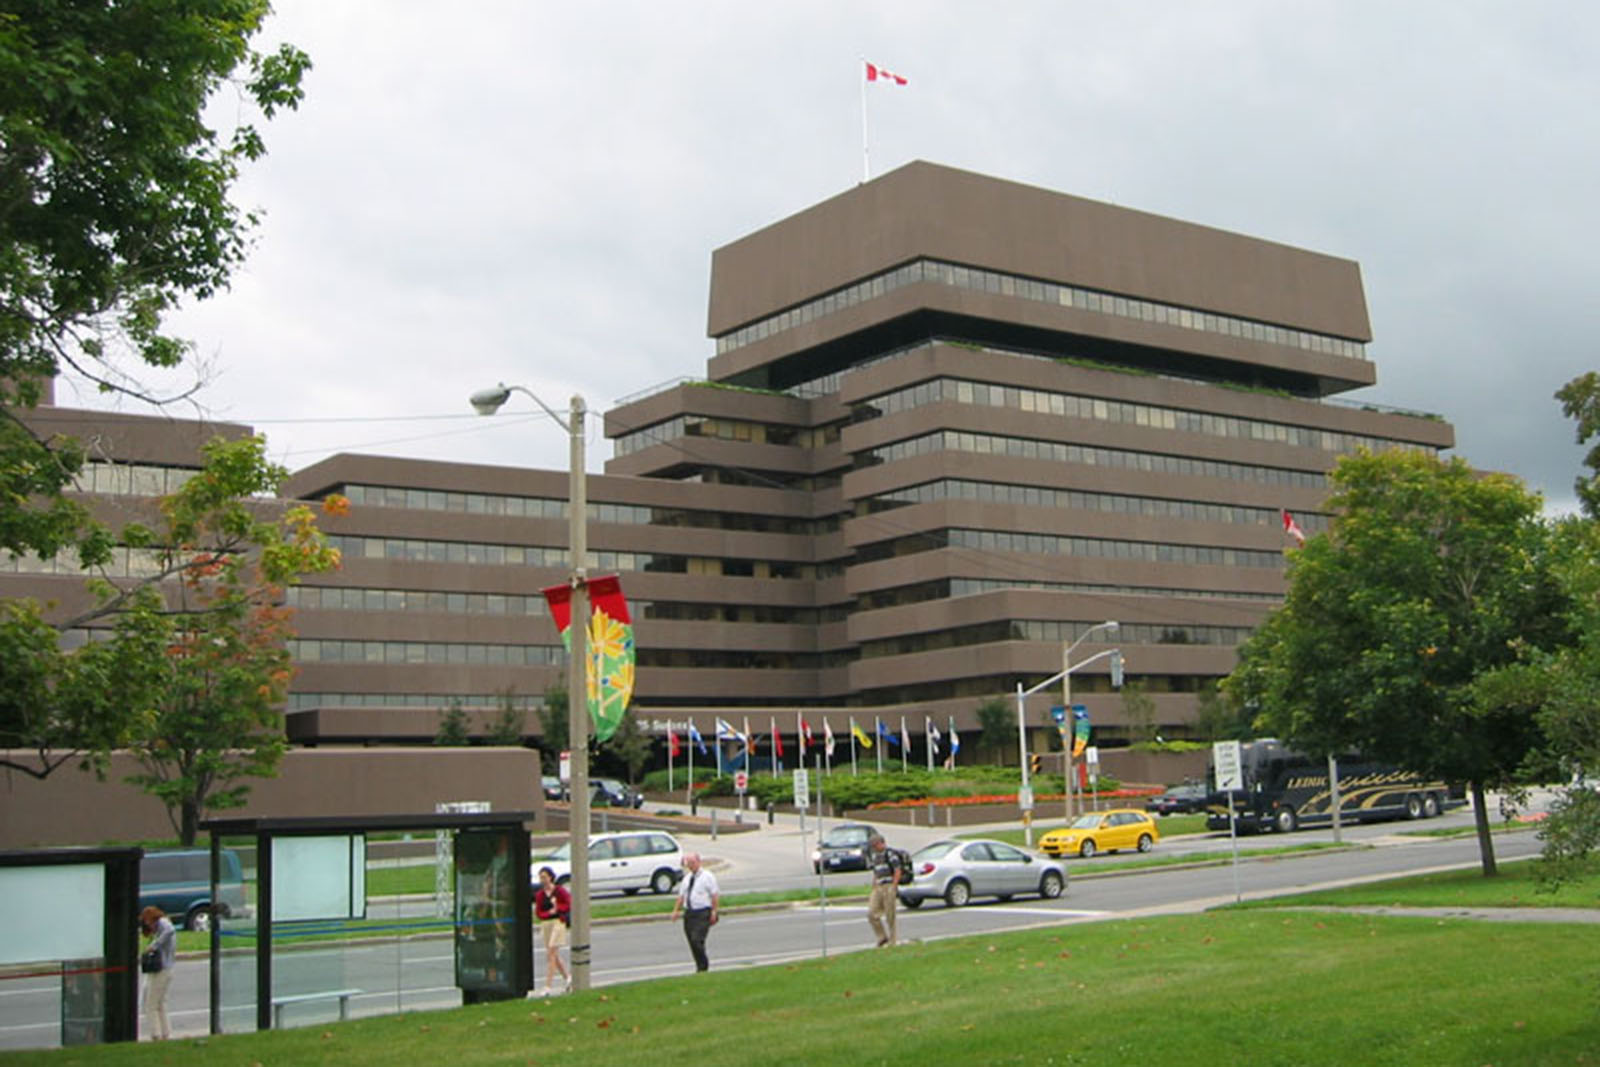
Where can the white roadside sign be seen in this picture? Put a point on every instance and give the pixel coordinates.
(1228, 758)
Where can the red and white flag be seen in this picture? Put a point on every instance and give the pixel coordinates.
(827, 738)
(673, 748)
(1292, 528)
(876, 73)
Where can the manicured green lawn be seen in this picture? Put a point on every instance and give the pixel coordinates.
(1263, 987)
(1514, 887)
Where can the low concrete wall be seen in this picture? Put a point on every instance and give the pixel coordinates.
(72, 807)
(1154, 768)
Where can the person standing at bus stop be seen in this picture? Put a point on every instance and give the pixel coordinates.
(552, 903)
(698, 897)
(163, 948)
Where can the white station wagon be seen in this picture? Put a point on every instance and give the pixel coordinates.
(629, 862)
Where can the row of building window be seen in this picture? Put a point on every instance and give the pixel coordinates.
(1034, 496)
(1059, 452)
(401, 653)
(763, 433)
(945, 588)
(1070, 405)
(332, 598)
(1052, 632)
(969, 586)
(532, 507)
(1105, 548)
(972, 278)
(440, 701)
(130, 479)
(338, 598)
(393, 653)
(124, 563)
(353, 547)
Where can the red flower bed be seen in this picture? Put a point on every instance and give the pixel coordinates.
(1006, 798)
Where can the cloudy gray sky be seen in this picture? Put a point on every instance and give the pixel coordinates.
(531, 191)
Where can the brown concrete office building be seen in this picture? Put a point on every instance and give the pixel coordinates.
(951, 423)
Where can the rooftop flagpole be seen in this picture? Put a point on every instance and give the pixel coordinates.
(866, 163)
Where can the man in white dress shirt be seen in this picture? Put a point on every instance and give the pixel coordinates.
(697, 900)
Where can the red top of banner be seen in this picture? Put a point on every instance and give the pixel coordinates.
(605, 594)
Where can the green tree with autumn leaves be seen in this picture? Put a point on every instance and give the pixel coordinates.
(187, 663)
(211, 692)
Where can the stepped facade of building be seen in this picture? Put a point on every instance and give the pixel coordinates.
(950, 424)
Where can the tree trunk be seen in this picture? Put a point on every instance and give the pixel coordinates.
(1485, 841)
(188, 823)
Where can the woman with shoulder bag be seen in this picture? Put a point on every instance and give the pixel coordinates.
(157, 963)
(553, 905)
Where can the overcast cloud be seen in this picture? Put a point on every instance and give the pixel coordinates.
(531, 192)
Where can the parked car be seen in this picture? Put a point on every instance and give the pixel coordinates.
(179, 883)
(843, 848)
(629, 862)
(610, 792)
(554, 788)
(1102, 831)
(957, 871)
(1178, 800)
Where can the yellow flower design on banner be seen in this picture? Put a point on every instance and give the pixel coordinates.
(611, 665)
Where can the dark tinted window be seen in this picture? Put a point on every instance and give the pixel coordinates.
(154, 869)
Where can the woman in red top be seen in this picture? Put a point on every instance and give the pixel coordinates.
(553, 905)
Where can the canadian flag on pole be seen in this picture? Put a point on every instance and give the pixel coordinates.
(1292, 528)
(876, 73)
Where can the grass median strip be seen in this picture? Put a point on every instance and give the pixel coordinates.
(1273, 988)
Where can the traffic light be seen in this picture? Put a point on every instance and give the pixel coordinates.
(1116, 668)
(1034, 761)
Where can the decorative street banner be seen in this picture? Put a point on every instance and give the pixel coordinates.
(611, 652)
(1080, 729)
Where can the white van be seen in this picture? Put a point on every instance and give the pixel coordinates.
(638, 859)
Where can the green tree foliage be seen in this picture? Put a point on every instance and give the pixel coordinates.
(114, 207)
(1562, 687)
(213, 560)
(1139, 711)
(553, 728)
(1218, 718)
(454, 731)
(1431, 577)
(997, 726)
(506, 727)
(1580, 400)
(211, 648)
(629, 746)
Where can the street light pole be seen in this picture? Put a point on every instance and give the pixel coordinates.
(487, 402)
(1110, 626)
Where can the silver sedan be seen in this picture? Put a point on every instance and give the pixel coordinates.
(957, 871)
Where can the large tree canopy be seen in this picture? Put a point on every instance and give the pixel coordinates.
(1430, 577)
(1580, 401)
(114, 206)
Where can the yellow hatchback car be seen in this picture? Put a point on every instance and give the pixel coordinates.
(1102, 831)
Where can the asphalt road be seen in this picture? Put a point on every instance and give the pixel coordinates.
(416, 974)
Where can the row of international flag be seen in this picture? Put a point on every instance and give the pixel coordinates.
(805, 739)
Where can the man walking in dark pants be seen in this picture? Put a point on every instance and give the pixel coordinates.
(697, 899)
(888, 867)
